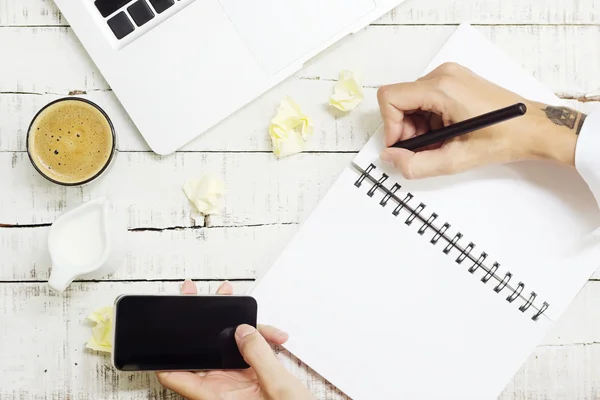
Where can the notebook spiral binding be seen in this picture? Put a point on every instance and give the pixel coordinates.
(427, 223)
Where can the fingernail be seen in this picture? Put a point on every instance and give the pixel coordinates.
(387, 158)
(163, 375)
(281, 334)
(187, 285)
(244, 330)
(187, 280)
(222, 285)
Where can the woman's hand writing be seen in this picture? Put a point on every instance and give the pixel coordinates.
(452, 93)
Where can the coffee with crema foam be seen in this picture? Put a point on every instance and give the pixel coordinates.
(71, 141)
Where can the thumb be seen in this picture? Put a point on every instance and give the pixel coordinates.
(422, 164)
(259, 355)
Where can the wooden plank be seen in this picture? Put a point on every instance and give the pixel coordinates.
(30, 12)
(207, 254)
(199, 253)
(494, 12)
(45, 12)
(556, 372)
(563, 57)
(43, 336)
(147, 189)
(17, 111)
(43, 345)
(246, 131)
(578, 324)
(46, 59)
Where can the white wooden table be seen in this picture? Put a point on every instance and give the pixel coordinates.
(42, 335)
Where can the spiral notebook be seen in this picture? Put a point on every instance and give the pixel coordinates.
(437, 288)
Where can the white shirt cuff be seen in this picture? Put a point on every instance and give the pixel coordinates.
(587, 153)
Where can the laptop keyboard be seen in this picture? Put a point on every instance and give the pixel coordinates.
(132, 13)
(107, 7)
(140, 12)
(120, 25)
(161, 5)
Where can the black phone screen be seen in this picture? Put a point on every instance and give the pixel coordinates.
(180, 332)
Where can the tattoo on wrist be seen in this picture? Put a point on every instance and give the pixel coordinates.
(567, 117)
(580, 123)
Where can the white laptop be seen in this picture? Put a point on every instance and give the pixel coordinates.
(179, 67)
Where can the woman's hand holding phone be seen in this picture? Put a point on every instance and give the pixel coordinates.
(265, 379)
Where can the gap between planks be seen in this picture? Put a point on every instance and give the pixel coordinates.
(162, 280)
(218, 151)
(585, 98)
(570, 344)
(206, 225)
(472, 24)
(5, 282)
(375, 24)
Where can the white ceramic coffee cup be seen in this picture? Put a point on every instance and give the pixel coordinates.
(104, 168)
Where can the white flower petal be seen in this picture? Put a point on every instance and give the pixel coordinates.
(347, 93)
(101, 339)
(205, 194)
(289, 129)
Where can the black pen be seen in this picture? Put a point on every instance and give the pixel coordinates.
(464, 127)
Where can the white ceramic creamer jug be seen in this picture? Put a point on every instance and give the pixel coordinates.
(85, 242)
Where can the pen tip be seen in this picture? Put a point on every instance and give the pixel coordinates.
(522, 108)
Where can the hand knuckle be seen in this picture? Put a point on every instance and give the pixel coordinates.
(383, 92)
(450, 68)
(445, 83)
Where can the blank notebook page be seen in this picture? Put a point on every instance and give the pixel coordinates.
(382, 313)
(534, 218)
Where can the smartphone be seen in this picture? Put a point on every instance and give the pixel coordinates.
(181, 333)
